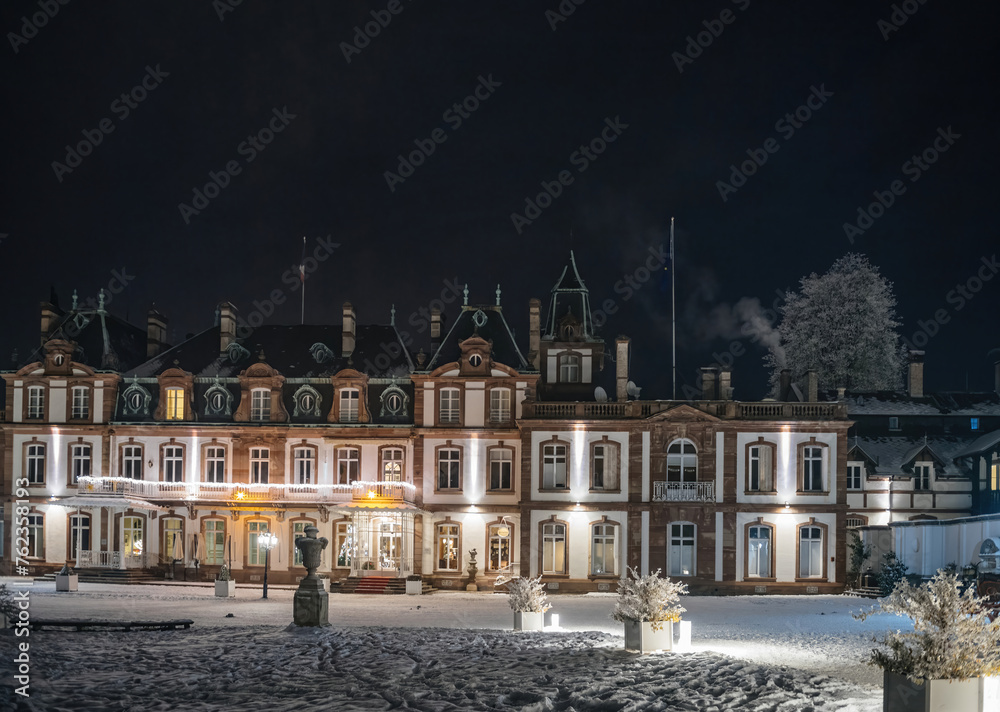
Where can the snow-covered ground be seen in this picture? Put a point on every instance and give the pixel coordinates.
(445, 651)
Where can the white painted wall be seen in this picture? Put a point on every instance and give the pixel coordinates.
(578, 465)
(786, 566)
(786, 468)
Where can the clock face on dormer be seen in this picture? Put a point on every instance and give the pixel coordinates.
(475, 360)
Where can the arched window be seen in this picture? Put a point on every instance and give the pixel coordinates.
(215, 542)
(175, 404)
(569, 368)
(553, 547)
(34, 463)
(554, 465)
(760, 466)
(450, 408)
(215, 463)
(79, 535)
(172, 459)
(392, 464)
(500, 535)
(682, 461)
(36, 403)
(81, 403)
(79, 461)
(760, 550)
(260, 404)
(447, 543)
(304, 465)
(501, 463)
(499, 405)
(811, 554)
(604, 463)
(350, 404)
(604, 548)
(255, 552)
(348, 465)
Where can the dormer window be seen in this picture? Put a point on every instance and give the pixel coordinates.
(893, 423)
(569, 368)
(499, 405)
(974, 423)
(81, 403)
(260, 404)
(175, 404)
(350, 399)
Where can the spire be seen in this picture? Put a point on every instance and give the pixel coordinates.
(498, 295)
(100, 300)
(569, 296)
(392, 316)
(75, 299)
(465, 295)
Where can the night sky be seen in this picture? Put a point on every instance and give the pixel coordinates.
(663, 98)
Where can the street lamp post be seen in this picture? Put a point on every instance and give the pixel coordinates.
(267, 541)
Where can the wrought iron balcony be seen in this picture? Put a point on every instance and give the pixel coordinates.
(683, 492)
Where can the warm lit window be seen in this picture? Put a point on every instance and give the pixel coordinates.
(682, 462)
(173, 463)
(682, 549)
(304, 465)
(392, 464)
(760, 468)
(79, 535)
(298, 530)
(350, 398)
(133, 539)
(449, 405)
(553, 548)
(255, 552)
(35, 465)
(553, 466)
(447, 547)
(449, 468)
(604, 466)
(172, 533)
(36, 536)
(922, 476)
(501, 468)
(812, 469)
(500, 537)
(569, 368)
(810, 552)
(344, 540)
(215, 464)
(81, 403)
(348, 465)
(260, 458)
(854, 470)
(499, 405)
(132, 461)
(759, 552)
(603, 561)
(260, 404)
(215, 542)
(175, 404)
(79, 462)
(36, 402)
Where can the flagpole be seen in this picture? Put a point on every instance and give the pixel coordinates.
(302, 277)
(673, 309)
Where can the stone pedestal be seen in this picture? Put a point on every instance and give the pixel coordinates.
(311, 605)
(67, 582)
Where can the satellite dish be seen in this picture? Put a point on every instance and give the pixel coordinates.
(632, 389)
(600, 395)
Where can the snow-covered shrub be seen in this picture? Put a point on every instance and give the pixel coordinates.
(648, 598)
(223, 574)
(893, 571)
(526, 595)
(952, 639)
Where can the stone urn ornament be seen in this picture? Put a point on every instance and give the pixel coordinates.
(312, 602)
(473, 570)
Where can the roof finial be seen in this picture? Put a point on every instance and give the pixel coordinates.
(100, 300)
(465, 295)
(392, 316)
(74, 300)
(498, 295)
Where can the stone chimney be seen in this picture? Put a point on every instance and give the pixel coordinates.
(156, 333)
(621, 368)
(708, 374)
(812, 386)
(49, 316)
(784, 384)
(350, 332)
(227, 325)
(534, 332)
(915, 381)
(725, 384)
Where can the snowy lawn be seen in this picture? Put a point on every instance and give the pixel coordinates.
(445, 651)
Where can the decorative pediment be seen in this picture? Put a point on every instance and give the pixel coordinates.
(307, 402)
(349, 373)
(136, 400)
(259, 370)
(476, 356)
(684, 414)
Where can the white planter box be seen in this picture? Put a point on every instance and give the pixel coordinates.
(682, 634)
(225, 589)
(414, 588)
(640, 636)
(528, 621)
(67, 582)
(900, 694)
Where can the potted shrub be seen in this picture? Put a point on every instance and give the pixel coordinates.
(526, 597)
(414, 584)
(225, 587)
(648, 606)
(945, 662)
(66, 579)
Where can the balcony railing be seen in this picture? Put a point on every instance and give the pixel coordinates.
(683, 491)
(357, 492)
(727, 410)
(110, 560)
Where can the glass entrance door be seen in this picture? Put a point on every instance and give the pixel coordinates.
(389, 545)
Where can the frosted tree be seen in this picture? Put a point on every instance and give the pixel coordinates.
(648, 598)
(842, 325)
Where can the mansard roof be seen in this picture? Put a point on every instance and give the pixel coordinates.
(896, 455)
(488, 323)
(300, 351)
(103, 341)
